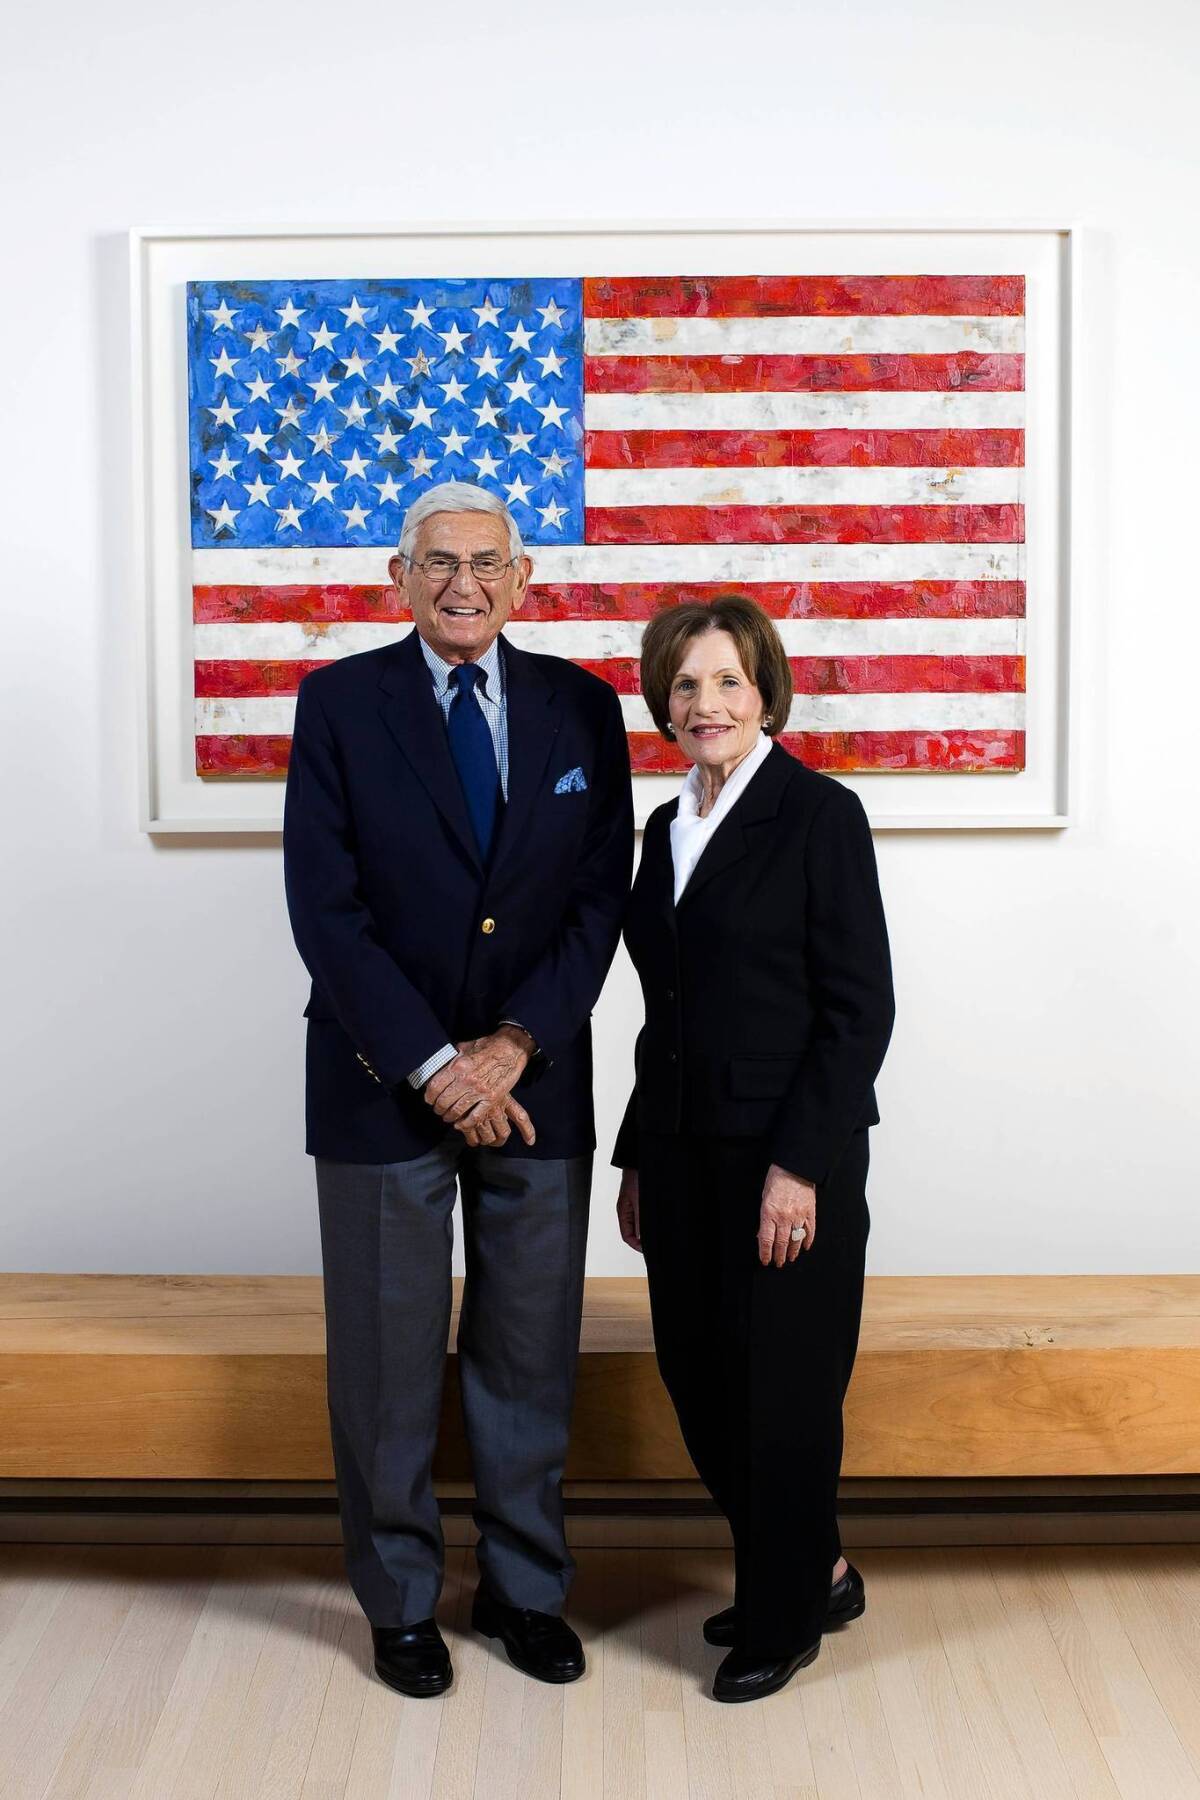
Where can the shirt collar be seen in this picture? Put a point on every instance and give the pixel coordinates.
(692, 790)
(490, 662)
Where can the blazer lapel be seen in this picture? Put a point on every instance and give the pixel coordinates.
(732, 838)
(534, 714)
(411, 713)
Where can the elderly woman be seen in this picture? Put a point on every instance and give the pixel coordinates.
(757, 930)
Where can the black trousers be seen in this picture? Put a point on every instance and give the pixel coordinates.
(757, 1362)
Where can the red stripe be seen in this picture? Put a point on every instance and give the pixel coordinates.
(845, 751)
(285, 604)
(634, 600)
(860, 674)
(841, 751)
(737, 296)
(230, 678)
(971, 370)
(804, 449)
(805, 524)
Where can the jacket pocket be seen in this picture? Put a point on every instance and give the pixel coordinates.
(761, 1075)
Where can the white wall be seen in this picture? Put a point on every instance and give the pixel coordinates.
(1038, 1101)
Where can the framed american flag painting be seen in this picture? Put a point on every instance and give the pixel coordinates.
(865, 429)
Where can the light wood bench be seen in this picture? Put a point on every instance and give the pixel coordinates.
(222, 1377)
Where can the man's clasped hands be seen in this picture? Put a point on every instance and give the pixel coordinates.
(473, 1093)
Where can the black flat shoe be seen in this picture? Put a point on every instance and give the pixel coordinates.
(745, 1676)
(413, 1659)
(847, 1600)
(537, 1643)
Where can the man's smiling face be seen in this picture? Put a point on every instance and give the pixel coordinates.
(459, 616)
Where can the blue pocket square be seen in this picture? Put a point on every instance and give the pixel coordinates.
(573, 782)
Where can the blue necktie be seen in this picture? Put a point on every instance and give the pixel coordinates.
(474, 754)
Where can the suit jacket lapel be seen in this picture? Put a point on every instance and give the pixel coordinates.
(732, 838)
(411, 713)
(534, 714)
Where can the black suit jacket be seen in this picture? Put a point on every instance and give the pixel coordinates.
(768, 990)
(411, 943)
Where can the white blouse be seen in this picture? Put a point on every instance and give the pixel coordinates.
(689, 832)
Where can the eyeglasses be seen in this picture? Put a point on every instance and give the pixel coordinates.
(485, 565)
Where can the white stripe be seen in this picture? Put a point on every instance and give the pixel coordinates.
(559, 563)
(750, 486)
(809, 334)
(905, 411)
(595, 640)
(273, 715)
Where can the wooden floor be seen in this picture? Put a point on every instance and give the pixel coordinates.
(130, 1672)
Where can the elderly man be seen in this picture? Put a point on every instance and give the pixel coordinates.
(458, 846)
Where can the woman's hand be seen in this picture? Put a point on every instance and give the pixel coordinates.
(629, 1217)
(787, 1202)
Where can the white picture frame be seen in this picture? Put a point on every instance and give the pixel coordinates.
(175, 800)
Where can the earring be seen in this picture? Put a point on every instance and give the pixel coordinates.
(670, 730)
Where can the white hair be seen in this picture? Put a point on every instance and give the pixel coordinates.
(456, 496)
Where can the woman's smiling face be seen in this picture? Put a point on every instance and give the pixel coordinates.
(715, 708)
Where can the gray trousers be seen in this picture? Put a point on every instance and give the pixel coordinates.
(386, 1236)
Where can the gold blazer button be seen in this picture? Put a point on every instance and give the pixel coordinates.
(488, 926)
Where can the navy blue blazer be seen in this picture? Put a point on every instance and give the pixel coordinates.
(411, 943)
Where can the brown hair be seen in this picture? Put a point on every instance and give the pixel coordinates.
(759, 646)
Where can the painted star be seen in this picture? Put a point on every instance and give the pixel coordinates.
(551, 364)
(322, 388)
(453, 389)
(259, 491)
(289, 518)
(386, 439)
(224, 516)
(323, 488)
(224, 465)
(289, 364)
(488, 313)
(520, 337)
(388, 392)
(321, 441)
(221, 316)
(485, 412)
(223, 364)
(420, 314)
(288, 466)
(355, 413)
(553, 414)
(420, 364)
(551, 314)
(257, 439)
(517, 491)
(354, 366)
(487, 364)
(322, 337)
(225, 414)
(519, 440)
(519, 388)
(454, 339)
(354, 314)
(552, 514)
(288, 315)
(422, 414)
(290, 414)
(355, 467)
(259, 338)
(421, 464)
(387, 490)
(454, 441)
(487, 465)
(260, 388)
(387, 339)
(356, 518)
(554, 464)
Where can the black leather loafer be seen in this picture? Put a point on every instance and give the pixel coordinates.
(413, 1659)
(847, 1600)
(537, 1643)
(745, 1676)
